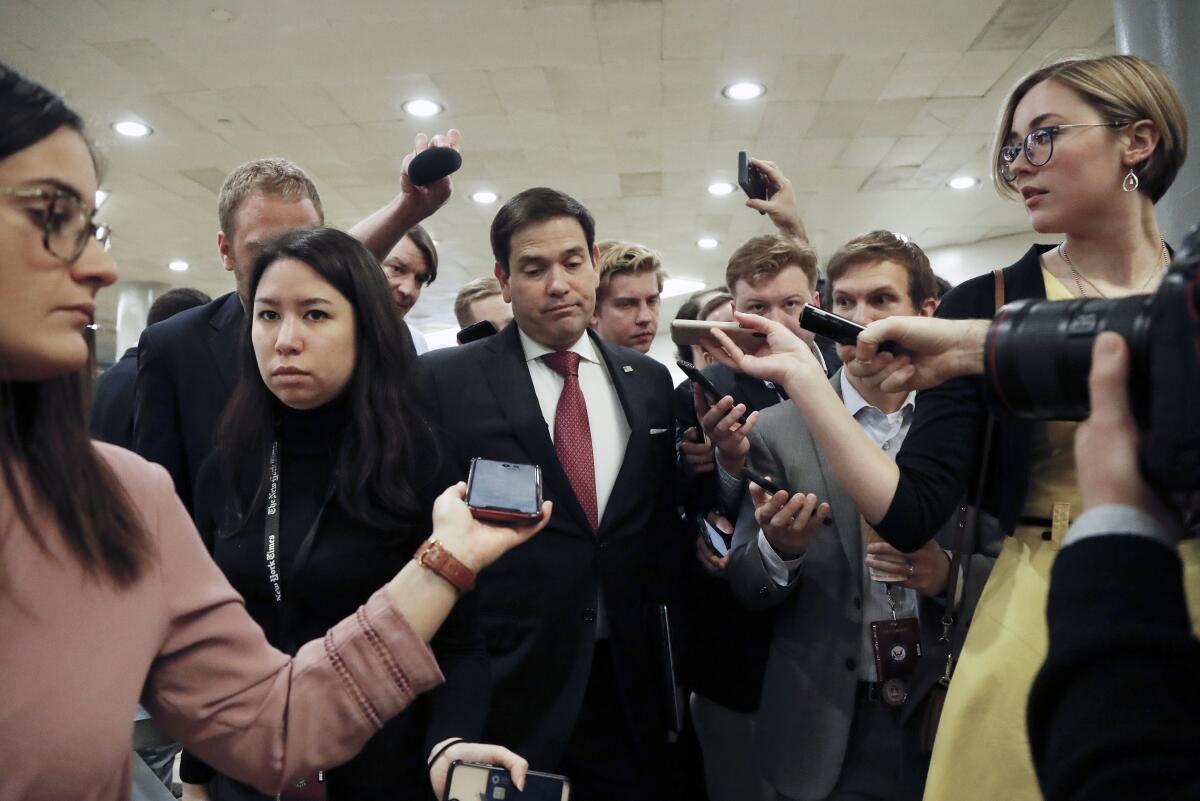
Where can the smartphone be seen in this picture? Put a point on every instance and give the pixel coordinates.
(693, 332)
(750, 179)
(764, 482)
(504, 492)
(839, 329)
(480, 330)
(713, 538)
(706, 387)
(474, 781)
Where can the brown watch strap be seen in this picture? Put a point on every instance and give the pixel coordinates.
(433, 556)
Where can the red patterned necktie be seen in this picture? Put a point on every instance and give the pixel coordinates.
(573, 434)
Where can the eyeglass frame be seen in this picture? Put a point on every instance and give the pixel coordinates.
(1024, 148)
(101, 233)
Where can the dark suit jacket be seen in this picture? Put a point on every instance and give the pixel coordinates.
(112, 401)
(187, 370)
(537, 603)
(1114, 712)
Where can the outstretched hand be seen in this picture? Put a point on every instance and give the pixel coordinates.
(780, 205)
(473, 542)
(932, 350)
(487, 754)
(782, 358)
(422, 201)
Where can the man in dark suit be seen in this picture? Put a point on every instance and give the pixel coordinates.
(567, 616)
(112, 399)
(187, 366)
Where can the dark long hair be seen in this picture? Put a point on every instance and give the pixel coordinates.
(384, 434)
(43, 424)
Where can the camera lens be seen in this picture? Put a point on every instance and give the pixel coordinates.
(1039, 352)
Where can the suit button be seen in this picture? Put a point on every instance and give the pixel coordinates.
(589, 615)
(858, 603)
(851, 664)
(763, 592)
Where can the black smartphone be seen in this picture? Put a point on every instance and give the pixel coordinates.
(712, 537)
(504, 492)
(750, 179)
(839, 329)
(764, 482)
(700, 379)
(475, 781)
(480, 330)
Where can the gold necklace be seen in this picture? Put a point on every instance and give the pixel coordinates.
(1164, 260)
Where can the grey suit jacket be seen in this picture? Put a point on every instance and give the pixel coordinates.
(812, 670)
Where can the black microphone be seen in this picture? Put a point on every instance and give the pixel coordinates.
(433, 164)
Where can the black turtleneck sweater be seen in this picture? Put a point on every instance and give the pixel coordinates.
(347, 562)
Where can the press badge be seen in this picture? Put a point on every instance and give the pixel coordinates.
(897, 647)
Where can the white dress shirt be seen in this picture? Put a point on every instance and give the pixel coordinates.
(606, 418)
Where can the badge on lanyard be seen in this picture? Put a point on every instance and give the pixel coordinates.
(896, 644)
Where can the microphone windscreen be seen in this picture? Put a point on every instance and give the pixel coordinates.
(433, 164)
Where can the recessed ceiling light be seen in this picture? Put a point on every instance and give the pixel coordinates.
(484, 197)
(743, 90)
(179, 265)
(720, 188)
(962, 182)
(680, 286)
(422, 108)
(708, 243)
(132, 128)
(101, 196)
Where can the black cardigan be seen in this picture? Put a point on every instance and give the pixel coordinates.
(942, 450)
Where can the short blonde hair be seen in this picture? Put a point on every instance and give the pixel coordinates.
(1118, 88)
(273, 176)
(473, 290)
(626, 258)
(764, 257)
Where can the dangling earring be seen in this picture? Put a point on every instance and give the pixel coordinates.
(1131, 182)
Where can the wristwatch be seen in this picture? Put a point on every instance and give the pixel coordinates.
(433, 556)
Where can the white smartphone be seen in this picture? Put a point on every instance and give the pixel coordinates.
(691, 332)
(474, 781)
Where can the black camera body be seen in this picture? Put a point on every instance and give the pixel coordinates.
(1038, 355)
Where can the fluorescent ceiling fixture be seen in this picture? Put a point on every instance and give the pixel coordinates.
(422, 108)
(179, 265)
(720, 188)
(101, 196)
(673, 287)
(744, 90)
(484, 197)
(132, 128)
(708, 243)
(962, 182)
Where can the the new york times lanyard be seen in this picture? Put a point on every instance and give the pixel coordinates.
(271, 534)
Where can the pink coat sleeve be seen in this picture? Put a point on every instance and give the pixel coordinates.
(247, 709)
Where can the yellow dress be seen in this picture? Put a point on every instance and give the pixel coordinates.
(982, 749)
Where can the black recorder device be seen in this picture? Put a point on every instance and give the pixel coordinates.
(839, 329)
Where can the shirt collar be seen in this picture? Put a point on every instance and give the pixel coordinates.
(536, 350)
(855, 402)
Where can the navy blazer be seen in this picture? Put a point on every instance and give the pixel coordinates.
(187, 370)
(537, 603)
(112, 401)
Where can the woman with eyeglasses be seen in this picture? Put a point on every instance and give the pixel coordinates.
(1089, 146)
(107, 595)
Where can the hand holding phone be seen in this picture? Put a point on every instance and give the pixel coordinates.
(762, 481)
(750, 179)
(504, 492)
(839, 329)
(475, 781)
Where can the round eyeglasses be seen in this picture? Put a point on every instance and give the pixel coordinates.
(67, 227)
(1038, 146)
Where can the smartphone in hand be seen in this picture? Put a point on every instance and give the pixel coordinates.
(767, 484)
(504, 492)
(839, 329)
(750, 179)
(701, 380)
(475, 781)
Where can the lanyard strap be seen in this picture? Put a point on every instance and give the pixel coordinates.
(271, 545)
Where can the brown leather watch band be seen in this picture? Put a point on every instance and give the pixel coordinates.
(433, 556)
